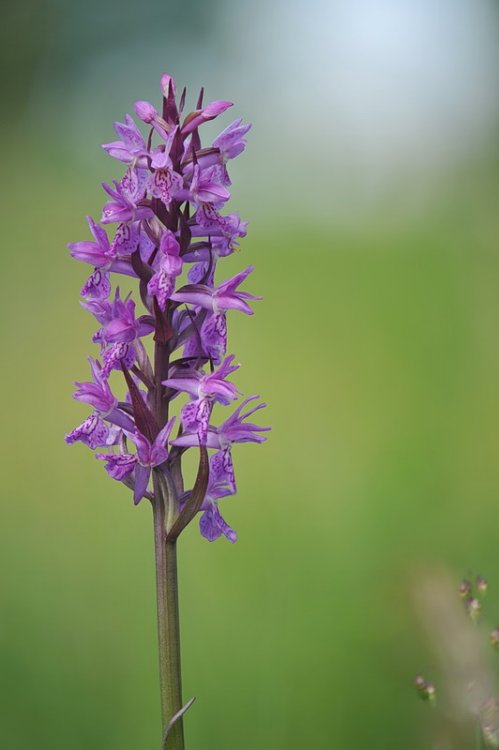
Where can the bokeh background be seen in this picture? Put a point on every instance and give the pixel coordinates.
(371, 183)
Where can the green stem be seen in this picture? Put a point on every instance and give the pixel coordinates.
(480, 742)
(168, 623)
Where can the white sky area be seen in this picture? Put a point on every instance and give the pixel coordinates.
(353, 101)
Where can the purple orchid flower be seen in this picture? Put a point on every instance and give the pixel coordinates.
(99, 395)
(210, 222)
(234, 430)
(231, 141)
(92, 432)
(169, 266)
(218, 300)
(229, 144)
(220, 484)
(99, 254)
(116, 356)
(97, 286)
(205, 256)
(164, 183)
(102, 310)
(131, 148)
(224, 297)
(222, 467)
(200, 116)
(149, 455)
(126, 196)
(213, 335)
(124, 327)
(96, 393)
(204, 390)
(211, 523)
(125, 241)
(105, 257)
(205, 188)
(214, 385)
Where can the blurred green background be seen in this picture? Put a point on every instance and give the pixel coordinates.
(371, 183)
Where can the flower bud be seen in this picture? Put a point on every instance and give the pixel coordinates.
(425, 689)
(473, 607)
(481, 585)
(200, 116)
(166, 81)
(145, 111)
(494, 638)
(464, 588)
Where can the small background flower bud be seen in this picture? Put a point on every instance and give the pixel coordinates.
(465, 588)
(426, 690)
(473, 607)
(481, 585)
